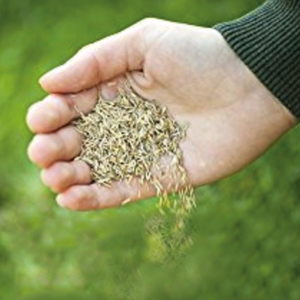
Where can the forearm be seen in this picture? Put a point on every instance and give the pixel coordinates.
(268, 42)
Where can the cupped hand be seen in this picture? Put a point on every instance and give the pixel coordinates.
(232, 117)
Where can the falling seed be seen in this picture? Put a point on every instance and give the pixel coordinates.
(126, 201)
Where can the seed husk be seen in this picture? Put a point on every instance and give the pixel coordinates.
(132, 137)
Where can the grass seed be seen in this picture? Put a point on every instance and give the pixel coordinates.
(130, 137)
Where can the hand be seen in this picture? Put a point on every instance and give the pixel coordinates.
(233, 118)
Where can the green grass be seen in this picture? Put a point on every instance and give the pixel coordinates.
(245, 230)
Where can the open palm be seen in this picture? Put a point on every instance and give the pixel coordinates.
(232, 117)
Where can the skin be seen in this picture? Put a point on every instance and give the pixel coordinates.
(233, 119)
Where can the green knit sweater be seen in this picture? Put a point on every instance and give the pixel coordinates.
(268, 41)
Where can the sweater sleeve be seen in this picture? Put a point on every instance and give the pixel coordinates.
(268, 42)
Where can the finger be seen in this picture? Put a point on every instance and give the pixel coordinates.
(63, 145)
(93, 197)
(105, 59)
(93, 64)
(62, 175)
(55, 111)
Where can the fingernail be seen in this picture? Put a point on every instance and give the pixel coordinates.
(59, 200)
(108, 91)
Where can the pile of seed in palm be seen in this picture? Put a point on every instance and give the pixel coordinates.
(131, 137)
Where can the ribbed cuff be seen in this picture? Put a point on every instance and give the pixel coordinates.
(268, 41)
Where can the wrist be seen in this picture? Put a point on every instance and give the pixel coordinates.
(245, 84)
(267, 40)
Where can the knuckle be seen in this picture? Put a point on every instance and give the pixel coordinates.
(64, 139)
(65, 173)
(54, 104)
(63, 109)
(63, 178)
(68, 141)
(50, 115)
(70, 103)
(56, 145)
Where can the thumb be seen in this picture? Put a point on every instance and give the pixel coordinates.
(98, 62)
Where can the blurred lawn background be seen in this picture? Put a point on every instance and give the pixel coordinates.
(245, 230)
